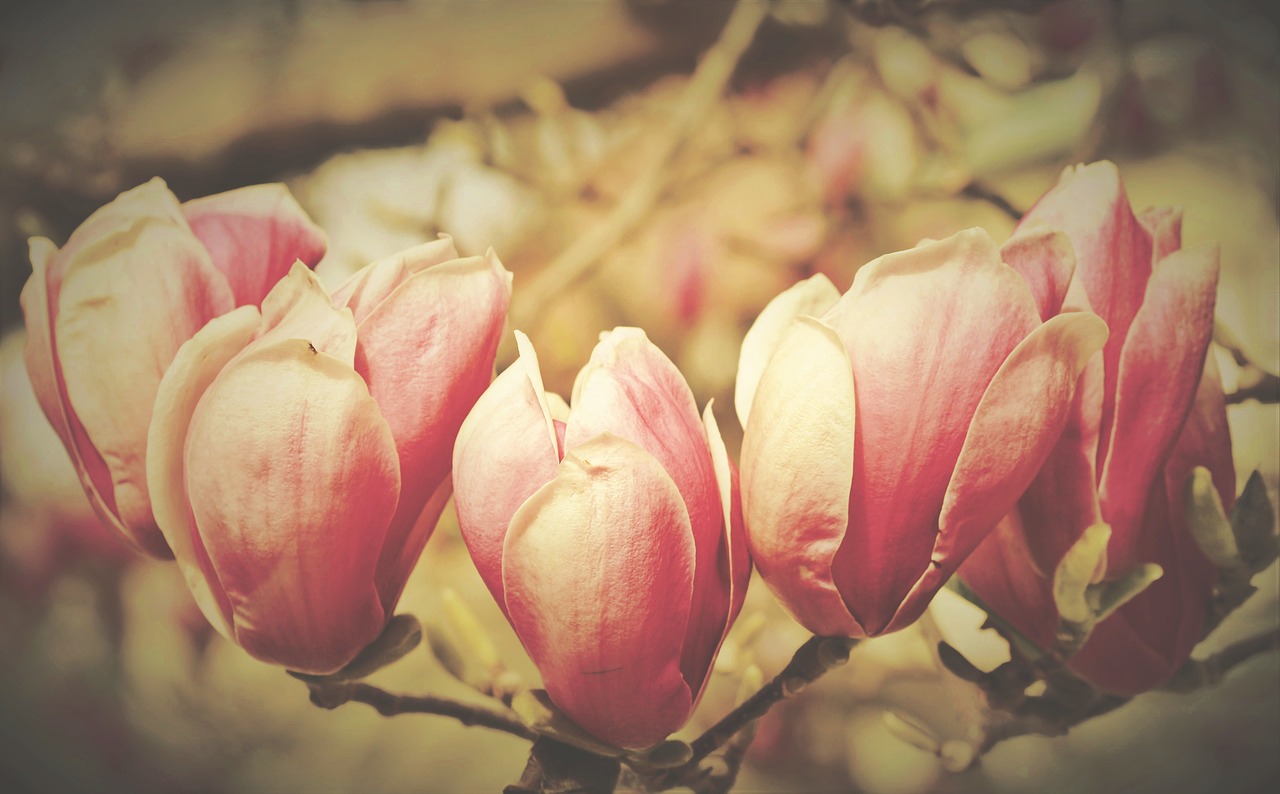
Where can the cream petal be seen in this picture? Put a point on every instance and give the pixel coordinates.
(292, 478)
(797, 466)
(598, 572)
(196, 365)
(812, 297)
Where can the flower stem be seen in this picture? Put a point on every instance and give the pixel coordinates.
(331, 695)
(810, 662)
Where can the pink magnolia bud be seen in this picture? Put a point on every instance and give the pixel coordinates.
(607, 533)
(888, 430)
(1149, 410)
(299, 455)
(106, 313)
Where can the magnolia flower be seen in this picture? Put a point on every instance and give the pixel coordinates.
(1149, 411)
(888, 430)
(106, 313)
(607, 533)
(294, 449)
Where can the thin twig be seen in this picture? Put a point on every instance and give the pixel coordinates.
(1210, 671)
(705, 86)
(977, 190)
(332, 695)
(810, 662)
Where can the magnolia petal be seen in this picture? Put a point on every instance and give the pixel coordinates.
(598, 574)
(631, 390)
(1160, 369)
(298, 307)
(506, 450)
(41, 361)
(812, 297)
(1113, 257)
(1062, 501)
(254, 235)
(145, 287)
(371, 285)
(797, 464)
(292, 478)
(707, 629)
(427, 353)
(1164, 224)
(194, 368)
(908, 321)
(1009, 582)
(1020, 418)
(1044, 258)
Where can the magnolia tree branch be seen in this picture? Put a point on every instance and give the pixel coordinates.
(1197, 674)
(809, 663)
(330, 695)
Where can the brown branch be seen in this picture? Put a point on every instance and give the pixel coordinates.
(1210, 671)
(331, 695)
(1266, 391)
(810, 662)
(977, 190)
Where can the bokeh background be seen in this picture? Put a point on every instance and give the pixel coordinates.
(522, 126)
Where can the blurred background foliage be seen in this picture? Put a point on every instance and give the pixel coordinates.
(585, 144)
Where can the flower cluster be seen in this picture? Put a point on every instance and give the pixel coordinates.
(963, 406)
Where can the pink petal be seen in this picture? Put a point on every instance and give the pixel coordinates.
(1159, 371)
(813, 297)
(1003, 574)
(1164, 224)
(797, 463)
(1017, 423)
(194, 368)
(47, 383)
(1144, 643)
(254, 235)
(631, 390)
(1113, 257)
(292, 479)
(598, 571)
(129, 297)
(427, 354)
(907, 322)
(505, 451)
(733, 567)
(371, 285)
(298, 307)
(1062, 501)
(1168, 619)
(1043, 257)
